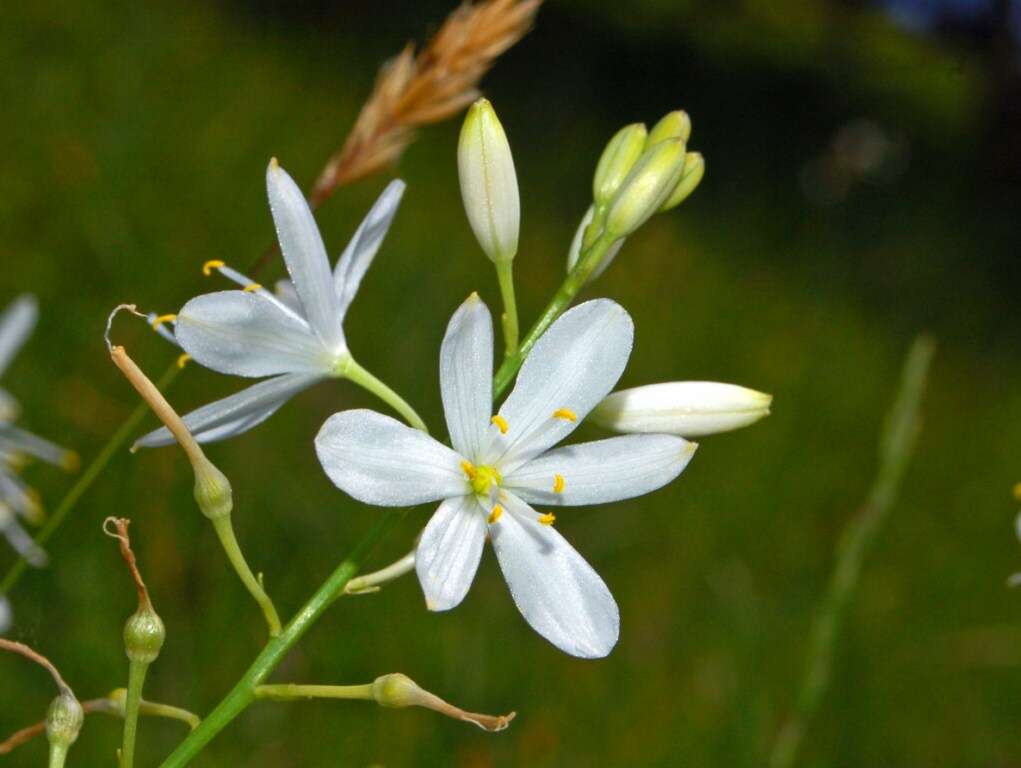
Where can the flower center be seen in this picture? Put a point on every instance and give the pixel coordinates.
(484, 479)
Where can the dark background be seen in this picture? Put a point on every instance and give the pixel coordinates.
(863, 182)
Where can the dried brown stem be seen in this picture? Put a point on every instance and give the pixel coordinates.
(23, 650)
(120, 533)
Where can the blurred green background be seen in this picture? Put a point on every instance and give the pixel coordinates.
(863, 185)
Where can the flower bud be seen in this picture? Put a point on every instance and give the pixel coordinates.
(694, 170)
(646, 187)
(213, 493)
(489, 186)
(618, 158)
(686, 408)
(64, 720)
(575, 250)
(144, 634)
(397, 690)
(673, 125)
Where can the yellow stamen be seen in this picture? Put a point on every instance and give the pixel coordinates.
(162, 319)
(70, 461)
(547, 519)
(252, 288)
(495, 514)
(566, 414)
(183, 360)
(558, 483)
(500, 422)
(209, 266)
(469, 469)
(1017, 491)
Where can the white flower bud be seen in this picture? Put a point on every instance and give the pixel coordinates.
(646, 187)
(686, 408)
(694, 170)
(673, 125)
(575, 250)
(618, 158)
(489, 186)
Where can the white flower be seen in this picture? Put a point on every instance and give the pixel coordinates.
(16, 498)
(688, 408)
(296, 336)
(501, 465)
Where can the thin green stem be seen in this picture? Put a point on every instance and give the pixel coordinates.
(58, 754)
(896, 448)
(360, 376)
(225, 531)
(505, 276)
(244, 692)
(87, 478)
(371, 582)
(136, 680)
(294, 692)
(153, 709)
(561, 300)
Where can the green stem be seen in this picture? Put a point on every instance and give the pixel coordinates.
(153, 709)
(294, 692)
(896, 449)
(505, 276)
(561, 300)
(88, 477)
(244, 692)
(58, 754)
(225, 530)
(354, 372)
(136, 679)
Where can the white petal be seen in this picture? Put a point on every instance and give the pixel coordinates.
(557, 592)
(378, 460)
(305, 255)
(19, 539)
(449, 551)
(9, 407)
(14, 441)
(5, 615)
(235, 413)
(572, 367)
(16, 324)
(286, 295)
(602, 471)
(466, 376)
(575, 249)
(689, 408)
(358, 256)
(238, 333)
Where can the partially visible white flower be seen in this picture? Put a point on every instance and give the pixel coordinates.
(295, 336)
(500, 465)
(16, 498)
(688, 408)
(489, 184)
(5, 615)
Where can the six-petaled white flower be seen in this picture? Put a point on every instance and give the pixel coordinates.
(16, 498)
(501, 465)
(295, 336)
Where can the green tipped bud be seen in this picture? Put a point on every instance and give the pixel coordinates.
(646, 187)
(212, 490)
(673, 125)
(618, 158)
(397, 690)
(694, 170)
(64, 720)
(489, 185)
(144, 634)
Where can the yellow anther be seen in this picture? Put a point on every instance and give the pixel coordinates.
(183, 360)
(469, 469)
(495, 514)
(70, 461)
(162, 319)
(209, 266)
(500, 422)
(558, 483)
(566, 414)
(547, 519)
(252, 288)
(1017, 491)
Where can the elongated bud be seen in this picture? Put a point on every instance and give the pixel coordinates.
(646, 187)
(64, 720)
(575, 249)
(686, 408)
(673, 125)
(397, 690)
(489, 185)
(694, 170)
(618, 158)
